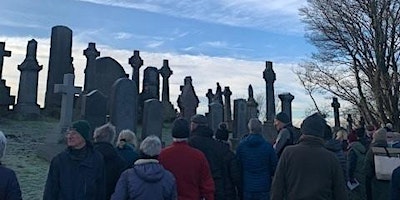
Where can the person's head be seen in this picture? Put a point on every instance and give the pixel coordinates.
(341, 135)
(314, 125)
(180, 129)
(78, 134)
(3, 143)
(198, 120)
(150, 147)
(127, 136)
(105, 133)
(222, 132)
(254, 125)
(388, 127)
(328, 132)
(281, 119)
(360, 132)
(379, 135)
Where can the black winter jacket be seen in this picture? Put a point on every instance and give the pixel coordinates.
(9, 187)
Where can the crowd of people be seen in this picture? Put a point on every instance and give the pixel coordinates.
(312, 162)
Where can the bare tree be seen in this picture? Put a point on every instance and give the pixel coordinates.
(358, 45)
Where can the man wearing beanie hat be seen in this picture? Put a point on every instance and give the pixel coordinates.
(217, 154)
(193, 175)
(147, 179)
(78, 172)
(287, 134)
(308, 170)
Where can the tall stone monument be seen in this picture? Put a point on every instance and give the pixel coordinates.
(91, 54)
(336, 105)
(28, 83)
(349, 123)
(168, 108)
(252, 111)
(5, 98)
(270, 77)
(227, 107)
(188, 100)
(136, 62)
(60, 63)
(3, 53)
(286, 100)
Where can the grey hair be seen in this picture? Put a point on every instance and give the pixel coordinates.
(105, 133)
(3, 143)
(254, 125)
(129, 136)
(151, 146)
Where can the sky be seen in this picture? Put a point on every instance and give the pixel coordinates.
(225, 41)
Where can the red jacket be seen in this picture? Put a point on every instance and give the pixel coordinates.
(191, 170)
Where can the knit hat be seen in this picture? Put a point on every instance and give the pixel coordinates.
(199, 119)
(83, 128)
(283, 117)
(222, 132)
(180, 128)
(151, 146)
(314, 125)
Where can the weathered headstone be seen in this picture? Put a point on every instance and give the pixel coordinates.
(108, 70)
(286, 100)
(252, 111)
(270, 77)
(68, 91)
(94, 109)
(349, 123)
(239, 118)
(210, 96)
(151, 83)
(136, 62)
(123, 105)
(28, 83)
(152, 118)
(3, 53)
(188, 100)
(168, 108)
(218, 95)
(215, 115)
(5, 98)
(60, 63)
(336, 105)
(227, 107)
(91, 54)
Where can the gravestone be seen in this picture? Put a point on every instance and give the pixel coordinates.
(91, 54)
(68, 91)
(252, 111)
(336, 105)
(123, 105)
(60, 63)
(210, 96)
(227, 107)
(108, 70)
(168, 108)
(270, 77)
(215, 115)
(239, 118)
(151, 84)
(286, 100)
(5, 98)
(152, 118)
(136, 62)
(94, 109)
(28, 83)
(349, 123)
(218, 95)
(187, 100)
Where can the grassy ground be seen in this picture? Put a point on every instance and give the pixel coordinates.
(23, 139)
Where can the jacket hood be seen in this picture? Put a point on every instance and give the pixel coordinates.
(254, 140)
(149, 170)
(357, 146)
(106, 149)
(333, 145)
(203, 131)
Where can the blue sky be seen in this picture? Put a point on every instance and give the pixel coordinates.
(226, 41)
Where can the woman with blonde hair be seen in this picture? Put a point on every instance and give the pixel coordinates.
(126, 146)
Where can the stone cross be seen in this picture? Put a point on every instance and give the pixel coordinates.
(91, 54)
(286, 99)
(3, 53)
(270, 77)
(349, 123)
(136, 62)
(68, 91)
(165, 72)
(227, 110)
(336, 105)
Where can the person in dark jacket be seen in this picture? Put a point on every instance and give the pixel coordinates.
(147, 179)
(114, 164)
(217, 154)
(308, 170)
(336, 147)
(376, 189)
(9, 186)
(78, 172)
(258, 162)
(395, 184)
(126, 146)
(356, 159)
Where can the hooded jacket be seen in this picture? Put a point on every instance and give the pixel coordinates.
(146, 180)
(336, 147)
(9, 186)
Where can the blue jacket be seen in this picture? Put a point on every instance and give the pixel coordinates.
(395, 184)
(146, 180)
(76, 178)
(9, 187)
(258, 161)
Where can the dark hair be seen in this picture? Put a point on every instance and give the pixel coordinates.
(360, 132)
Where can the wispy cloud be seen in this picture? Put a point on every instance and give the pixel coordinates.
(122, 36)
(154, 44)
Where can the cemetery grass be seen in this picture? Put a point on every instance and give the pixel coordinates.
(23, 140)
